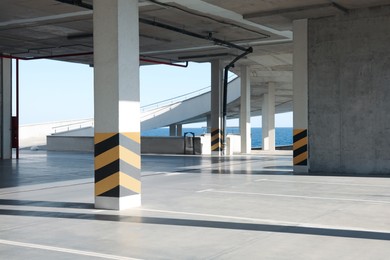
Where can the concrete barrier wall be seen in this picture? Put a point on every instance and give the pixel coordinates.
(149, 144)
(169, 145)
(349, 75)
(70, 143)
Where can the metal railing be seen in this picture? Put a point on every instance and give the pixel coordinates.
(154, 108)
(180, 98)
(73, 126)
(171, 101)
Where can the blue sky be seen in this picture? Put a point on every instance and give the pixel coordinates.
(56, 91)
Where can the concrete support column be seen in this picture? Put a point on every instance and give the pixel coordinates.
(117, 106)
(245, 111)
(268, 119)
(216, 107)
(179, 130)
(5, 108)
(176, 130)
(208, 122)
(300, 96)
(172, 130)
(1, 108)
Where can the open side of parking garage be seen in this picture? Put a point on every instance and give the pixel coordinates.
(257, 206)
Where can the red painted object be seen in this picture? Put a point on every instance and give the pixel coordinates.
(15, 132)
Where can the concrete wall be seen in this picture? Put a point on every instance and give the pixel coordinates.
(70, 143)
(349, 93)
(168, 145)
(149, 144)
(5, 108)
(1, 109)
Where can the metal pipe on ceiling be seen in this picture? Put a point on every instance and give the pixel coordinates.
(246, 51)
(149, 60)
(46, 57)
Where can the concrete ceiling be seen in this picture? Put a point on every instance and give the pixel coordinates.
(42, 28)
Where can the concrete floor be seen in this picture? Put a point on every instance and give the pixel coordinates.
(241, 207)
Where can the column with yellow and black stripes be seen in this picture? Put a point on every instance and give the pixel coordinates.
(300, 147)
(117, 167)
(117, 108)
(216, 108)
(301, 156)
(216, 140)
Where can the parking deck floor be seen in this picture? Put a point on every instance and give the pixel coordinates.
(194, 207)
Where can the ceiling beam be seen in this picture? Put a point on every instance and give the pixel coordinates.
(213, 47)
(45, 18)
(206, 8)
(295, 10)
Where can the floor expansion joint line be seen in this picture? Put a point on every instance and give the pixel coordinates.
(299, 196)
(324, 183)
(65, 250)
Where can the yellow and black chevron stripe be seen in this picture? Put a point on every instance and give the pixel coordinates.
(216, 140)
(117, 164)
(300, 147)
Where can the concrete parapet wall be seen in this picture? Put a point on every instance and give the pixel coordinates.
(349, 93)
(169, 145)
(70, 143)
(149, 144)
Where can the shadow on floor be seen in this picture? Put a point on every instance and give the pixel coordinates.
(372, 235)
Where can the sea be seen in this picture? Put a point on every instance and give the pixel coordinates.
(283, 135)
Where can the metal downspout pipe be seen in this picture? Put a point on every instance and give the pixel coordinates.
(220, 42)
(225, 86)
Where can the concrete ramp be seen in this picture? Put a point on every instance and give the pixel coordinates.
(187, 111)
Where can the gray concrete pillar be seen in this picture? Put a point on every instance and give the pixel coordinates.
(300, 97)
(176, 130)
(172, 130)
(1, 108)
(179, 130)
(117, 105)
(6, 108)
(268, 119)
(245, 111)
(216, 107)
(208, 122)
